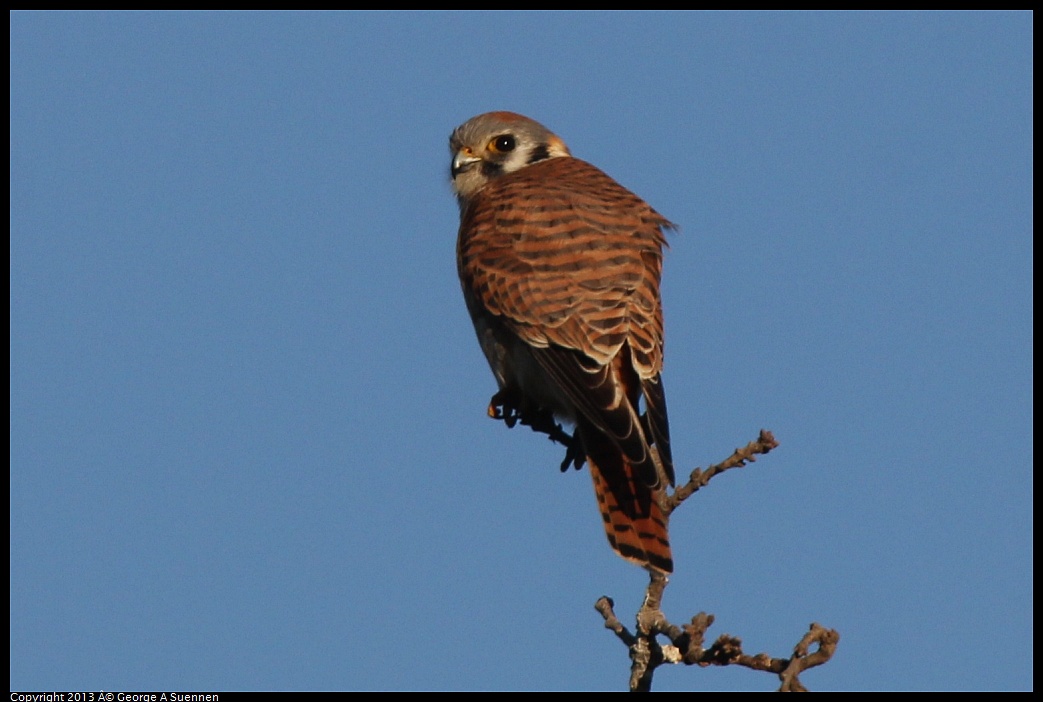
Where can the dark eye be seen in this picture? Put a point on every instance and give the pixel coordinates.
(503, 143)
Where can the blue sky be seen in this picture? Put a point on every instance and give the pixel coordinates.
(248, 438)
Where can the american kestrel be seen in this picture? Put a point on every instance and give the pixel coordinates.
(560, 269)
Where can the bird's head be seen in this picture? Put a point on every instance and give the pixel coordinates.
(496, 143)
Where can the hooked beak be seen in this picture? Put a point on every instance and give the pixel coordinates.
(463, 161)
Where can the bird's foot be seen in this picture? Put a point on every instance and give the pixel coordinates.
(504, 405)
(574, 455)
(542, 421)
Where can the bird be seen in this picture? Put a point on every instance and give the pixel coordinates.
(560, 268)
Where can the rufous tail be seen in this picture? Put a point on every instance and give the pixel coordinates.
(634, 523)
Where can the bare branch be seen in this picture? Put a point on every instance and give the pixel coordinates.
(825, 639)
(739, 458)
(686, 643)
(604, 605)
